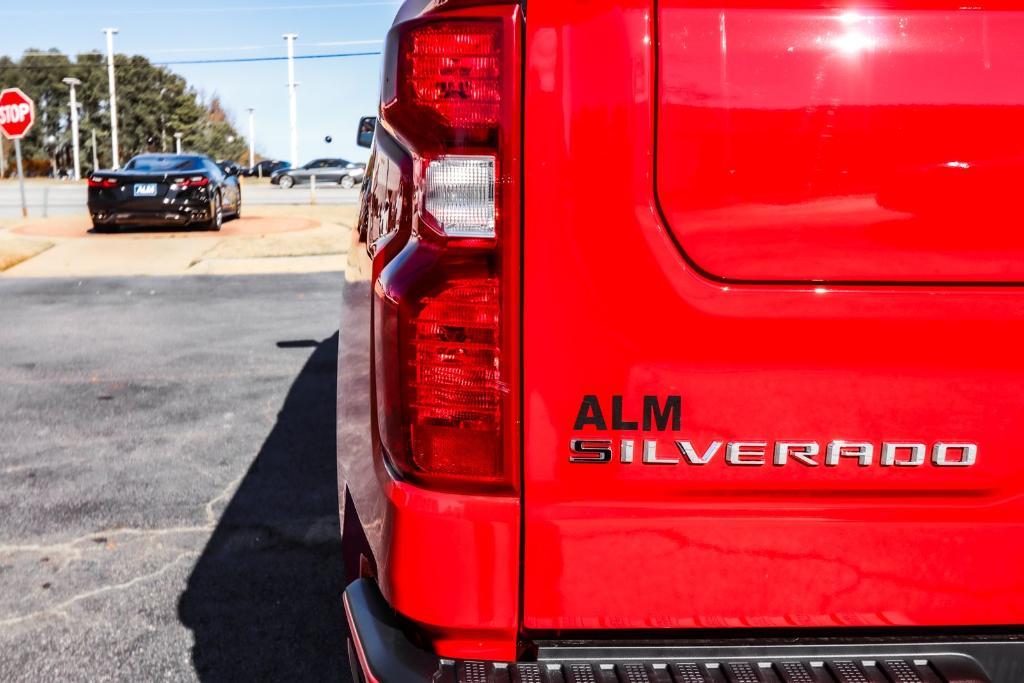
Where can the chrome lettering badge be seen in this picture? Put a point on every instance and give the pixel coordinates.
(659, 423)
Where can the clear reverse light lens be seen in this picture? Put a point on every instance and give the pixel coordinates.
(460, 195)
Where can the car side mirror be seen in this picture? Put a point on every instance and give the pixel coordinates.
(367, 125)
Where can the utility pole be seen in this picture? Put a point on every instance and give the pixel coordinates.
(113, 95)
(74, 125)
(177, 143)
(51, 140)
(95, 156)
(292, 109)
(252, 139)
(3, 158)
(163, 124)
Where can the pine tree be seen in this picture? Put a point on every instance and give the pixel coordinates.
(153, 103)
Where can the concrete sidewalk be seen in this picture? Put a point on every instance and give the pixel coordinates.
(266, 240)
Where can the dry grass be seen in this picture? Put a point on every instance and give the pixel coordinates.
(14, 250)
(284, 244)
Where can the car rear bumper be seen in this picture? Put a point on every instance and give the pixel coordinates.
(383, 653)
(184, 215)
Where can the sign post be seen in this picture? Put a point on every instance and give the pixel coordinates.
(17, 114)
(21, 177)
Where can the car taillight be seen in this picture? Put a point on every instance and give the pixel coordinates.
(194, 181)
(102, 182)
(447, 311)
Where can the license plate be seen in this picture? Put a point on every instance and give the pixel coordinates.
(145, 189)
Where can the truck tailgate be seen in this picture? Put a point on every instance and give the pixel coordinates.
(907, 509)
(802, 143)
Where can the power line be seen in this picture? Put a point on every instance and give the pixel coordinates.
(232, 60)
(217, 48)
(208, 10)
(236, 60)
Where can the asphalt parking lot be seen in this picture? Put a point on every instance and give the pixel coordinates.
(167, 479)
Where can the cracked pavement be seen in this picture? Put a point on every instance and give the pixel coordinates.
(168, 505)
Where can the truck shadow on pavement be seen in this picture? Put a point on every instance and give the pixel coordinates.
(264, 598)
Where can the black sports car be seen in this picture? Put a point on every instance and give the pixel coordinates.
(164, 189)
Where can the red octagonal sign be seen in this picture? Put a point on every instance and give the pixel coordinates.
(17, 113)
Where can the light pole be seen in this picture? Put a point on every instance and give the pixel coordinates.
(252, 139)
(113, 95)
(177, 143)
(292, 109)
(72, 82)
(51, 140)
(163, 123)
(95, 156)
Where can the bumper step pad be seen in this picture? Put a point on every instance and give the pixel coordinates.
(938, 669)
(383, 653)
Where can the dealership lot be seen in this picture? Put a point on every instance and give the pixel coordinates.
(167, 479)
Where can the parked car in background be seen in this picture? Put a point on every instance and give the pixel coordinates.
(355, 175)
(230, 167)
(340, 171)
(265, 168)
(164, 189)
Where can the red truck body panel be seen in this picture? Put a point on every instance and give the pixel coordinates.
(613, 307)
(446, 560)
(842, 144)
(744, 227)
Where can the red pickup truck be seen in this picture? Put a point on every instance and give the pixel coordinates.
(683, 341)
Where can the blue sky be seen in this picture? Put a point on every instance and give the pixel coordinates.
(332, 95)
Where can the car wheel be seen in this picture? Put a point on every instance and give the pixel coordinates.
(347, 182)
(238, 206)
(217, 209)
(286, 182)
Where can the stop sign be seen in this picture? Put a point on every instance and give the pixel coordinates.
(17, 113)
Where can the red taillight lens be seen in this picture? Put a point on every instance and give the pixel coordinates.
(455, 390)
(446, 82)
(102, 182)
(454, 69)
(194, 181)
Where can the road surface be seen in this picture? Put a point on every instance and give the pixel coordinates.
(47, 198)
(168, 505)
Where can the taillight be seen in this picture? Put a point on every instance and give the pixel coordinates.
(455, 381)
(194, 181)
(102, 182)
(448, 293)
(458, 193)
(454, 70)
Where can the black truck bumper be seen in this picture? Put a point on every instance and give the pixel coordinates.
(382, 653)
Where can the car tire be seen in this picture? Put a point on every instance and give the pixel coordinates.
(217, 211)
(347, 182)
(286, 182)
(238, 207)
(100, 227)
